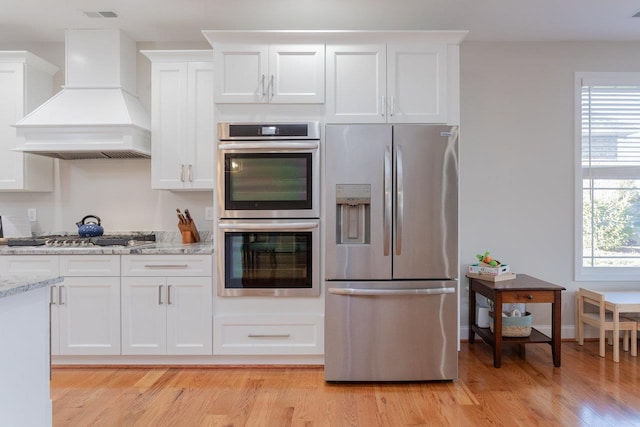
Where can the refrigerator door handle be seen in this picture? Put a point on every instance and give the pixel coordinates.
(399, 199)
(390, 292)
(387, 200)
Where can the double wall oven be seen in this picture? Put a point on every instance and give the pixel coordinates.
(268, 202)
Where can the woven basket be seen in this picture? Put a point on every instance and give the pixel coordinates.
(514, 326)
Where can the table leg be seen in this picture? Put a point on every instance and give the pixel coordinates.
(497, 330)
(616, 334)
(556, 322)
(472, 313)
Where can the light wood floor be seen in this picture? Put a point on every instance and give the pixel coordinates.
(586, 391)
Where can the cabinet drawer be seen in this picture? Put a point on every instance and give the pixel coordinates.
(527, 296)
(90, 265)
(30, 264)
(166, 265)
(284, 335)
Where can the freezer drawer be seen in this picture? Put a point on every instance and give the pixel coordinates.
(391, 331)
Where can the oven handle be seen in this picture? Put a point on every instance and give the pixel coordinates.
(264, 146)
(277, 226)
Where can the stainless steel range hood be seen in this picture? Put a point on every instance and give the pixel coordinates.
(97, 113)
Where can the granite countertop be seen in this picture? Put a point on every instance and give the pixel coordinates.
(12, 285)
(158, 248)
(166, 243)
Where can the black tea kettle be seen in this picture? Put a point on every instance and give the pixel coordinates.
(89, 228)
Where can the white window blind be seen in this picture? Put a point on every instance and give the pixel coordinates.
(609, 176)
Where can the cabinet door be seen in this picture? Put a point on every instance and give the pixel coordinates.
(241, 73)
(169, 125)
(11, 110)
(89, 316)
(22, 89)
(356, 84)
(296, 74)
(200, 125)
(54, 319)
(144, 315)
(417, 83)
(189, 316)
(45, 265)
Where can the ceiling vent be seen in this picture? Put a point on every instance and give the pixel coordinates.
(100, 13)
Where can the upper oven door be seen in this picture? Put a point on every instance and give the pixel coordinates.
(268, 178)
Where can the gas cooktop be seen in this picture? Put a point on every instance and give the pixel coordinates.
(76, 241)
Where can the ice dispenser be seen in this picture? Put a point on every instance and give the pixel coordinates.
(353, 213)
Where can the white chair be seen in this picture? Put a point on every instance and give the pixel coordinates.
(603, 321)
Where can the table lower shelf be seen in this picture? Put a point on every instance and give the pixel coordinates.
(535, 337)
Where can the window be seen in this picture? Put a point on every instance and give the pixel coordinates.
(608, 176)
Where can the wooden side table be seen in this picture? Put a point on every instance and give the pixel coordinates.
(522, 289)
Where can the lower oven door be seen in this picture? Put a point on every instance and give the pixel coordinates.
(268, 257)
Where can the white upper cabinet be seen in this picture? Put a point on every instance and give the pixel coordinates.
(388, 83)
(417, 83)
(356, 83)
(182, 120)
(26, 81)
(277, 74)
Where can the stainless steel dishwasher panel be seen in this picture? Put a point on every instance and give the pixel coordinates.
(391, 331)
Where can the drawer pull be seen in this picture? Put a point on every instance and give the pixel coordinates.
(529, 296)
(166, 265)
(160, 294)
(269, 335)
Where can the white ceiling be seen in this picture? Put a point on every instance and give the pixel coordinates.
(182, 20)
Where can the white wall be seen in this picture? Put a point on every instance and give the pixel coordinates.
(517, 158)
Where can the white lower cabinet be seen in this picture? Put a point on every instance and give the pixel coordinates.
(287, 334)
(46, 265)
(166, 305)
(85, 308)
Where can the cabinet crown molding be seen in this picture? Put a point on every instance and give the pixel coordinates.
(331, 36)
(178, 55)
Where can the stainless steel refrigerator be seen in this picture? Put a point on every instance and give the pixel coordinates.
(391, 258)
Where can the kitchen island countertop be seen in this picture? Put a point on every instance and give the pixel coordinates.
(16, 284)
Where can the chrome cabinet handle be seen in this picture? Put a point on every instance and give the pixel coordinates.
(264, 92)
(52, 295)
(272, 88)
(399, 199)
(383, 106)
(169, 295)
(387, 201)
(387, 292)
(160, 294)
(392, 106)
(166, 265)
(60, 302)
(182, 172)
(189, 174)
(268, 335)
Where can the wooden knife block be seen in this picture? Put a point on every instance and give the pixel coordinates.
(189, 232)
